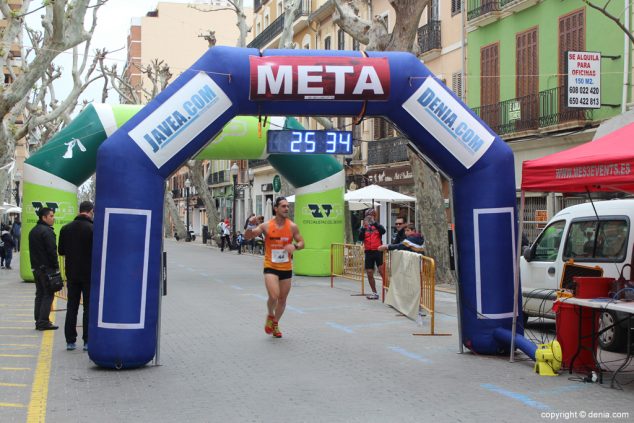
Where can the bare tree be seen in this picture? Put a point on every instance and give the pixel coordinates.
(29, 106)
(618, 20)
(374, 34)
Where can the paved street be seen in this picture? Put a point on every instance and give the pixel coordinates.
(342, 359)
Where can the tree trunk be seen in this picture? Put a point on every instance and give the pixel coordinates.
(173, 213)
(213, 218)
(431, 218)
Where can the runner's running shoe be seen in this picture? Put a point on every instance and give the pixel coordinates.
(276, 330)
(268, 326)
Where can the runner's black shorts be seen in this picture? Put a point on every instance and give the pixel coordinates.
(373, 258)
(281, 274)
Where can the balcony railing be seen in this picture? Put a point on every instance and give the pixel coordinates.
(257, 5)
(477, 8)
(269, 33)
(547, 108)
(429, 37)
(218, 177)
(391, 150)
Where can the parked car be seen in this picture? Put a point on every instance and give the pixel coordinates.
(591, 234)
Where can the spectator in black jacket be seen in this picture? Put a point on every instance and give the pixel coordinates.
(43, 254)
(399, 234)
(75, 244)
(7, 246)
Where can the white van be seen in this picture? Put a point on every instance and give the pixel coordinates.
(603, 238)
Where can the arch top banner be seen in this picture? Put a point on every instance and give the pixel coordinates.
(319, 78)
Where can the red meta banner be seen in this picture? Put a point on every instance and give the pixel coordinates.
(319, 78)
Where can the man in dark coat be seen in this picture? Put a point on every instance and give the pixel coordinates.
(399, 235)
(43, 254)
(75, 244)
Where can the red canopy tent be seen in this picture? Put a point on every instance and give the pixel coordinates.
(606, 164)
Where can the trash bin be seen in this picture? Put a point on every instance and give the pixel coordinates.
(205, 233)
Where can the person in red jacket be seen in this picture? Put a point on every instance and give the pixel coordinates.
(371, 233)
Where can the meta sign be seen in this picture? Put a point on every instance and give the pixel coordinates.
(319, 78)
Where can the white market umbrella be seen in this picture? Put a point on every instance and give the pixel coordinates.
(352, 205)
(373, 193)
(14, 209)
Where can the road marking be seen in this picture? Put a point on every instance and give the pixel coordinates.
(39, 390)
(17, 369)
(9, 404)
(13, 385)
(410, 354)
(525, 399)
(19, 321)
(237, 287)
(19, 336)
(340, 327)
(19, 345)
(15, 327)
(295, 309)
(17, 355)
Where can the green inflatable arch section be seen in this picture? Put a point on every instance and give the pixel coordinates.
(54, 173)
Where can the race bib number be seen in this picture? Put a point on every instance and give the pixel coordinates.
(279, 256)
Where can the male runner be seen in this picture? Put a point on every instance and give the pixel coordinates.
(278, 266)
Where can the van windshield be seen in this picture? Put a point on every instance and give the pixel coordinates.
(604, 241)
(547, 245)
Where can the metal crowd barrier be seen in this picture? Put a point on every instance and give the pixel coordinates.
(347, 261)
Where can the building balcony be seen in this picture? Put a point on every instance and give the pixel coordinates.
(257, 5)
(542, 112)
(429, 40)
(514, 6)
(272, 31)
(258, 163)
(482, 12)
(391, 150)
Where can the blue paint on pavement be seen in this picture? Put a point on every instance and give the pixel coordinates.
(340, 327)
(525, 399)
(410, 354)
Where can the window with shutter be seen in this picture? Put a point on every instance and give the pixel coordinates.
(327, 43)
(572, 37)
(456, 83)
(456, 6)
(490, 84)
(341, 40)
(527, 79)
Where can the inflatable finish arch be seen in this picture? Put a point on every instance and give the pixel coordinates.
(134, 162)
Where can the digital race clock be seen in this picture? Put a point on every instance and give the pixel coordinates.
(308, 142)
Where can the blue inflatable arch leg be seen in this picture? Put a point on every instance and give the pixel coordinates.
(134, 162)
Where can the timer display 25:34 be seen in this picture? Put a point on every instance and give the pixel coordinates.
(308, 142)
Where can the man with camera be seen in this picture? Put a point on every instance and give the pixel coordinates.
(371, 233)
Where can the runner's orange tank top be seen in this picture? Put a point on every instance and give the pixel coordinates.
(275, 256)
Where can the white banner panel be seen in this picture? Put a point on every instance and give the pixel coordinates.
(404, 292)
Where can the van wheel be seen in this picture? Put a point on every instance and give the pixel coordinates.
(614, 337)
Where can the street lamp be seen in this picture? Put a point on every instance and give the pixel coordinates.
(188, 184)
(234, 175)
(17, 178)
(251, 176)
